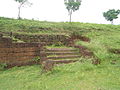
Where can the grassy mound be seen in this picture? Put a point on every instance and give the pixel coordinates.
(103, 37)
(75, 76)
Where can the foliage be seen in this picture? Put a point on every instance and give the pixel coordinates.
(2, 66)
(58, 44)
(21, 1)
(72, 6)
(17, 40)
(36, 59)
(111, 14)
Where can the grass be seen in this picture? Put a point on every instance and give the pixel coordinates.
(43, 27)
(76, 76)
(102, 42)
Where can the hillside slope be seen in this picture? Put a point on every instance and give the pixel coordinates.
(104, 38)
(104, 42)
(32, 26)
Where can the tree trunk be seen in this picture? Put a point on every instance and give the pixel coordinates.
(112, 22)
(70, 17)
(70, 13)
(19, 11)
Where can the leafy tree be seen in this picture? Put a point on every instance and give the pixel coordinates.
(111, 14)
(72, 6)
(21, 4)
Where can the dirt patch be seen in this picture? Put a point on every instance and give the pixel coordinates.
(85, 52)
(80, 37)
(115, 51)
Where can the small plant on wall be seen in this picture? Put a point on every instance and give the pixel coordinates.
(58, 44)
(3, 66)
(36, 59)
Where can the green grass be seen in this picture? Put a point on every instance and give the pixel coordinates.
(76, 76)
(43, 27)
(101, 42)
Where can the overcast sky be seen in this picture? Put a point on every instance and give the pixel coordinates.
(54, 10)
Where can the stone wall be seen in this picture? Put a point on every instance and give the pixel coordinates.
(18, 54)
(48, 39)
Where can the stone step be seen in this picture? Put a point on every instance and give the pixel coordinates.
(67, 59)
(61, 50)
(63, 61)
(63, 57)
(62, 53)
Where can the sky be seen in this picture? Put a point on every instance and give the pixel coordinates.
(90, 11)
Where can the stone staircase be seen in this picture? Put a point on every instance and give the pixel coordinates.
(58, 56)
(62, 55)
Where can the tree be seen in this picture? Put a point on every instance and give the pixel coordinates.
(72, 6)
(111, 14)
(21, 4)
